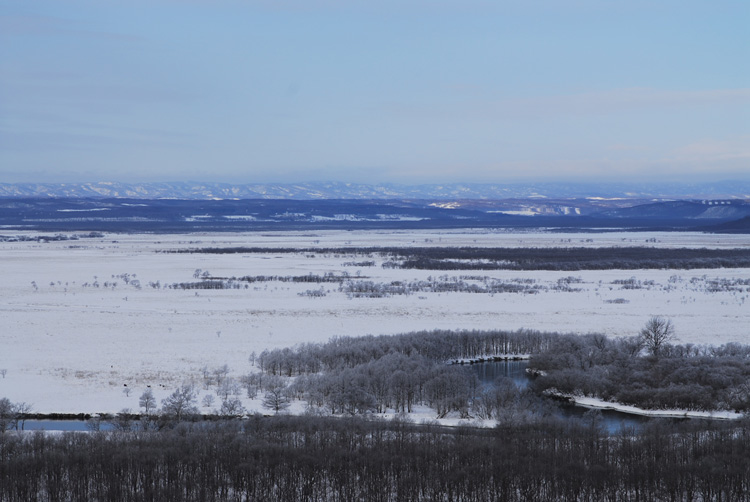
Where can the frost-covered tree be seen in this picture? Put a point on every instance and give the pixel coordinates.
(276, 397)
(252, 383)
(147, 401)
(221, 373)
(180, 403)
(232, 407)
(228, 387)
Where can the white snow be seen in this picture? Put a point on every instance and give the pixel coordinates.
(241, 217)
(595, 403)
(83, 210)
(525, 212)
(70, 343)
(446, 205)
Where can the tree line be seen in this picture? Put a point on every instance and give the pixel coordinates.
(314, 459)
(647, 371)
(542, 258)
(438, 345)
(377, 374)
(207, 281)
(381, 373)
(568, 259)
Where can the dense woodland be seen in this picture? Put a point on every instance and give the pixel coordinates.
(438, 345)
(358, 375)
(691, 377)
(547, 258)
(340, 451)
(323, 459)
(380, 373)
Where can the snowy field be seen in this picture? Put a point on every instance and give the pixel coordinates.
(76, 329)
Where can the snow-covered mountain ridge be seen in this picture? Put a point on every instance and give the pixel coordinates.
(339, 190)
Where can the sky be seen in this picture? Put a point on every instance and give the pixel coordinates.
(408, 91)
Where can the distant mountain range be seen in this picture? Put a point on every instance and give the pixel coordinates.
(191, 206)
(232, 215)
(353, 191)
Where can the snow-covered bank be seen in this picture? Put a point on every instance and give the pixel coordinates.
(599, 404)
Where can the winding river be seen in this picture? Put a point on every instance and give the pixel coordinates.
(613, 421)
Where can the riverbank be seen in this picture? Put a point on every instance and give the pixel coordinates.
(600, 404)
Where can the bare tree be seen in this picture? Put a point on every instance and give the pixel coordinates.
(657, 332)
(12, 414)
(232, 408)
(180, 403)
(94, 423)
(227, 387)
(6, 414)
(221, 373)
(208, 401)
(206, 376)
(147, 401)
(630, 346)
(251, 383)
(20, 412)
(276, 397)
(123, 421)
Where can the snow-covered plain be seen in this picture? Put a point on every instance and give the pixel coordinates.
(73, 334)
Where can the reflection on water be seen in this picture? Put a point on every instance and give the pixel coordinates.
(612, 421)
(515, 370)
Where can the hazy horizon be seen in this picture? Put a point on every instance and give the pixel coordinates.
(704, 181)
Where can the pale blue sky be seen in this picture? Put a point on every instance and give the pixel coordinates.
(377, 91)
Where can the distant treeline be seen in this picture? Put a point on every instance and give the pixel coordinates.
(371, 289)
(690, 377)
(358, 287)
(569, 259)
(553, 258)
(49, 238)
(313, 459)
(210, 282)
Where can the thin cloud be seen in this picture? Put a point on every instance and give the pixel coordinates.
(712, 150)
